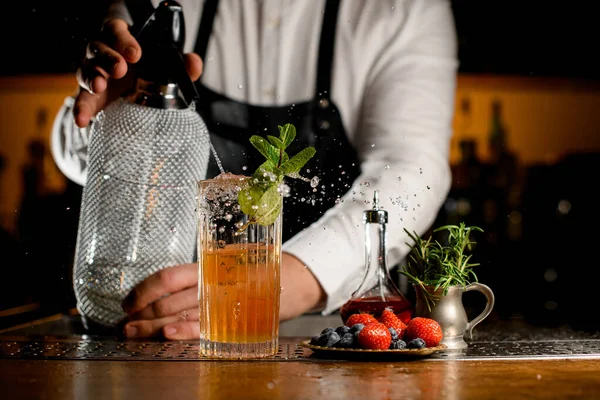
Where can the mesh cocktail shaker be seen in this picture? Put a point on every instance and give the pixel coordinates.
(147, 151)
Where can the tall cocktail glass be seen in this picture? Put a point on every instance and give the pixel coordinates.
(239, 272)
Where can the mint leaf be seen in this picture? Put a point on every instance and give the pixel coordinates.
(269, 206)
(287, 134)
(249, 197)
(267, 166)
(261, 199)
(266, 149)
(276, 142)
(294, 164)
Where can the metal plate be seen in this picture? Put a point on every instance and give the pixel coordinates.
(23, 348)
(122, 351)
(66, 338)
(371, 355)
(508, 350)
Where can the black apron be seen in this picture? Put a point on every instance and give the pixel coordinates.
(318, 123)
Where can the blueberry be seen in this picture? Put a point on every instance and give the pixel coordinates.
(342, 330)
(347, 341)
(398, 344)
(356, 328)
(393, 333)
(321, 340)
(332, 339)
(315, 340)
(417, 343)
(326, 331)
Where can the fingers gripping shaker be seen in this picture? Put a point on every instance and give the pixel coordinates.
(147, 151)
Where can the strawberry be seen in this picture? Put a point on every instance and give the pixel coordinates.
(375, 336)
(425, 328)
(389, 319)
(362, 318)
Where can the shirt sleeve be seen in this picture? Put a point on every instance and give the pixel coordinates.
(403, 143)
(118, 10)
(69, 143)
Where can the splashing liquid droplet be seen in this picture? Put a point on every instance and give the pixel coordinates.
(314, 182)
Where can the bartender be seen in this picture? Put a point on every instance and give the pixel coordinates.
(369, 84)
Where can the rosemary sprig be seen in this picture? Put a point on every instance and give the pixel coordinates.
(435, 267)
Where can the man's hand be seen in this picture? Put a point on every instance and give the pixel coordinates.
(108, 59)
(167, 302)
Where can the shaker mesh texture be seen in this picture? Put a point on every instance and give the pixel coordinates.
(138, 204)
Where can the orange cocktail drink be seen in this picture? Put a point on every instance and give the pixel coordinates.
(239, 275)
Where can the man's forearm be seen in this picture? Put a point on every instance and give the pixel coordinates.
(301, 292)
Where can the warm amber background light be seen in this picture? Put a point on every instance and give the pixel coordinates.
(546, 118)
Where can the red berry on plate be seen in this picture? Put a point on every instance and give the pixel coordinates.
(389, 319)
(425, 328)
(375, 336)
(362, 318)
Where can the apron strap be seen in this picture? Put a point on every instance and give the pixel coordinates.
(326, 47)
(205, 27)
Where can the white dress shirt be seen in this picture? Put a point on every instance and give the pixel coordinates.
(393, 80)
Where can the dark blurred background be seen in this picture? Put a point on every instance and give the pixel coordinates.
(524, 154)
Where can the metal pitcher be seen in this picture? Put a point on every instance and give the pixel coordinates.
(449, 312)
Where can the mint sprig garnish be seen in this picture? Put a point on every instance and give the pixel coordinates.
(261, 199)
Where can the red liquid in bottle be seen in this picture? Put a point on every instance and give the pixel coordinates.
(377, 291)
(375, 306)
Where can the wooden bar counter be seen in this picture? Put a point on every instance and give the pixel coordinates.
(38, 366)
(80, 379)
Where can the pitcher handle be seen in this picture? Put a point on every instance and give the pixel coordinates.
(489, 295)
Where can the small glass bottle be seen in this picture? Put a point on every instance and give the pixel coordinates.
(377, 290)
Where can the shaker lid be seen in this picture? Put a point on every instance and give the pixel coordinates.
(375, 215)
